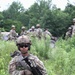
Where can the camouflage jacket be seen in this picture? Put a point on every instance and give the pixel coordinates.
(17, 65)
(23, 32)
(13, 33)
(39, 32)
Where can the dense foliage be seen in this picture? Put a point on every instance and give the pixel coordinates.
(42, 12)
(58, 61)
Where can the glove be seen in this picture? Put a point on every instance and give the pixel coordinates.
(26, 72)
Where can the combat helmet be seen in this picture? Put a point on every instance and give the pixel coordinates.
(23, 40)
(23, 27)
(13, 26)
(33, 27)
(69, 28)
(38, 25)
(73, 20)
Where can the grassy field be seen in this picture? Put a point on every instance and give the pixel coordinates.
(58, 61)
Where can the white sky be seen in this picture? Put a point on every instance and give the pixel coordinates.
(4, 4)
(62, 3)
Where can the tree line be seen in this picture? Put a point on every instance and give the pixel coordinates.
(42, 12)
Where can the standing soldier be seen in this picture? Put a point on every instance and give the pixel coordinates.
(53, 41)
(39, 31)
(23, 31)
(33, 32)
(0, 34)
(46, 33)
(69, 33)
(73, 26)
(25, 63)
(13, 35)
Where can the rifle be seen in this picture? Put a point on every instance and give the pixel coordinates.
(15, 53)
(34, 69)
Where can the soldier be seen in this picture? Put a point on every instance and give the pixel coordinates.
(33, 28)
(46, 33)
(73, 26)
(24, 62)
(39, 31)
(69, 33)
(53, 41)
(12, 35)
(23, 31)
(0, 34)
(33, 32)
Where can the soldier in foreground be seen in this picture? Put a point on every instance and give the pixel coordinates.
(25, 63)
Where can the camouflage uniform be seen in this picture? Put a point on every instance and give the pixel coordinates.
(46, 33)
(17, 65)
(53, 41)
(73, 26)
(39, 31)
(69, 33)
(23, 31)
(73, 31)
(0, 34)
(32, 33)
(13, 34)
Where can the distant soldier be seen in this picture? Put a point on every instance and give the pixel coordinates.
(69, 33)
(73, 26)
(0, 34)
(46, 33)
(53, 41)
(39, 31)
(33, 32)
(25, 63)
(12, 35)
(33, 28)
(23, 31)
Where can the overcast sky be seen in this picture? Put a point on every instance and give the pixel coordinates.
(4, 4)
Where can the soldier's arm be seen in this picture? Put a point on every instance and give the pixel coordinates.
(12, 68)
(40, 65)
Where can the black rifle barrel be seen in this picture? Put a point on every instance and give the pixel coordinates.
(35, 70)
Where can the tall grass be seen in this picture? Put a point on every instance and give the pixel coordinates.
(6, 47)
(58, 61)
(41, 47)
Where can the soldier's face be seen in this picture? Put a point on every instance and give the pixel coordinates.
(74, 23)
(13, 28)
(24, 48)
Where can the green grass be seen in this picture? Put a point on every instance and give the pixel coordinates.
(58, 61)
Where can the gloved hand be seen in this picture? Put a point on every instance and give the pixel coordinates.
(26, 72)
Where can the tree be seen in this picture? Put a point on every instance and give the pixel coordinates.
(37, 11)
(70, 9)
(1, 16)
(13, 11)
(1, 20)
(11, 15)
(60, 22)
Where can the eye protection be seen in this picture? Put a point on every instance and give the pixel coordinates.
(23, 45)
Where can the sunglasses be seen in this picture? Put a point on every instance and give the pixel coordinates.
(23, 45)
